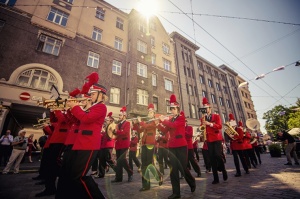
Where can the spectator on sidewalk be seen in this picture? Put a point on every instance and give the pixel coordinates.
(5, 147)
(290, 145)
(30, 147)
(19, 146)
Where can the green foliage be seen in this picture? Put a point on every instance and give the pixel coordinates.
(275, 147)
(294, 121)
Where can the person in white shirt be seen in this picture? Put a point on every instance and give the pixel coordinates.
(19, 146)
(5, 147)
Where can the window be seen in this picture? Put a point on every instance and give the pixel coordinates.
(232, 81)
(238, 106)
(49, 45)
(204, 94)
(93, 60)
(152, 40)
(196, 91)
(193, 75)
(58, 17)
(37, 79)
(193, 111)
(166, 49)
(114, 96)
(228, 103)
(213, 98)
(2, 23)
(190, 90)
(142, 46)
(142, 27)
(224, 117)
(69, 1)
(153, 58)
(246, 95)
(100, 13)
(119, 23)
(221, 101)
(235, 93)
(218, 86)
(184, 70)
(188, 72)
(216, 74)
(201, 79)
(208, 70)
(116, 67)
(168, 85)
(154, 80)
(118, 43)
(200, 65)
(167, 65)
(97, 34)
(225, 89)
(210, 83)
(168, 106)
(155, 103)
(142, 97)
(142, 70)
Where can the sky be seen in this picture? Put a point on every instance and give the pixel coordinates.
(267, 39)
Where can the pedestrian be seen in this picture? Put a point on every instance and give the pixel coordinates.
(290, 146)
(30, 147)
(19, 146)
(5, 147)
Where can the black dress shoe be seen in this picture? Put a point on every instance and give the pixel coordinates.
(37, 178)
(130, 178)
(215, 182)
(225, 176)
(144, 189)
(115, 180)
(40, 183)
(193, 188)
(296, 163)
(45, 193)
(237, 175)
(288, 163)
(174, 196)
(160, 181)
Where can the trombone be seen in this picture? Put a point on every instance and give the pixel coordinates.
(48, 102)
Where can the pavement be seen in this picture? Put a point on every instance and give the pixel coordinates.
(272, 179)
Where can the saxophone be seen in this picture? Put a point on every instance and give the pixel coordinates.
(230, 131)
(202, 128)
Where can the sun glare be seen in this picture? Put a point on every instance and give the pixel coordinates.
(147, 7)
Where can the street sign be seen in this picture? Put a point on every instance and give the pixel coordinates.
(24, 96)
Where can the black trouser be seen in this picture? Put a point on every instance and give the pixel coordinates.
(162, 157)
(54, 165)
(147, 164)
(250, 157)
(257, 152)
(44, 166)
(192, 160)
(215, 151)
(240, 154)
(196, 153)
(84, 186)
(5, 152)
(105, 158)
(133, 158)
(207, 163)
(178, 163)
(122, 163)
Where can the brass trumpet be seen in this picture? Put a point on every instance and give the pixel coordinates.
(43, 120)
(50, 102)
(38, 126)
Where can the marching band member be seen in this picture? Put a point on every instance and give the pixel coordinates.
(214, 142)
(107, 145)
(122, 144)
(133, 149)
(248, 150)
(148, 146)
(88, 141)
(254, 139)
(195, 147)
(163, 151)
(237, 147)
(191, 158)
(56, 148)
(177, 148)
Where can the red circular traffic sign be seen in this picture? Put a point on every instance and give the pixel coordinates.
(24, 96)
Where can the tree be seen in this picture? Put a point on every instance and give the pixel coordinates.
(294, 121)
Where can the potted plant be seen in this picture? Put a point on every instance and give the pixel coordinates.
(275, 150)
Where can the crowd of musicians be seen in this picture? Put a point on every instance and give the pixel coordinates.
(83, 136)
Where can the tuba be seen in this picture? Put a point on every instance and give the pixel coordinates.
(230, 131)
(252, 124)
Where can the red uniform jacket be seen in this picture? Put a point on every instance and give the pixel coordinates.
(107, 142)
(176, 127)
(254, 144)
(123, 135)
(205, 146)
(214, 133)
(189, 136)
(48, 130)
(195, 144)
(133, 143)
(60, 128)
(73, 123)
(91, 121)
(246, 141)
(238, 143)
(149, 130)
(163, 140)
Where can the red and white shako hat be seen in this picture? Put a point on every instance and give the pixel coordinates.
(232, 120)
(150, 107)
(205, 103)
(231, 117)
(92, 84)
(109, 116)
(241, 124)
(173, 102)
(123, 111)
(74, 93)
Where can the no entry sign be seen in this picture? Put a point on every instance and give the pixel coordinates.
(24, 96)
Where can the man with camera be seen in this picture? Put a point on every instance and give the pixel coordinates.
(19, 147)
